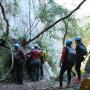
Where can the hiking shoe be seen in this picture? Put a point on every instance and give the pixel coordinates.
(60, 87)
(68, 86)
(78, 80)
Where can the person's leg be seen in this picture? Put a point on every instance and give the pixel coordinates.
(69, 76)
(63, 69)
(77, 67)
(38, 71)
(33, 76)
(13, 73)
(17, 72)
(27, 66)
(30, 69)
(41, 69)
(20, 73)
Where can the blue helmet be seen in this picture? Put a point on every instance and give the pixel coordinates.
(78, 38)
(68, 42)
(36, 46)
(16, 46)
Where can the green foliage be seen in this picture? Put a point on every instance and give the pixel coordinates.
(73, 27)
(85, 28)
(50, 11)
(17, 32)
(1, 26)
(16, 7)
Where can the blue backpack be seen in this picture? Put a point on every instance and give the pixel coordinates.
(71, 55)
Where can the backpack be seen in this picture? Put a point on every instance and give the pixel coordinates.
(71, 55)
(43, 56)
(18, 56)
(83, 49)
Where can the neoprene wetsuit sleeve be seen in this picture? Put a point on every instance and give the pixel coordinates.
(64, 54)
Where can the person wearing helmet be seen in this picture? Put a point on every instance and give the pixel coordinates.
(18, 64)
(78, 39)
(16, 46)
(28, 63)
(35, 55)
(79, 57)
(65, 64)
(43, 60)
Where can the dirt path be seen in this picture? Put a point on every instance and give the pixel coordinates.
(40, 85)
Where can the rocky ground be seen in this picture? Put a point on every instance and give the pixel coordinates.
(40, 85)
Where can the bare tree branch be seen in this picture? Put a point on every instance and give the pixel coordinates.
(5, 19)
(63, 18)
(29, 29)
(66, 28)
(32, 28)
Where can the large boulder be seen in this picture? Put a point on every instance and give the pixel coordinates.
(5, 60)
(85, 85)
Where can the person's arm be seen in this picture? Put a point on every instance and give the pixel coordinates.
(78, 51)
(64, 54)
